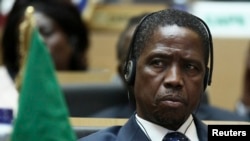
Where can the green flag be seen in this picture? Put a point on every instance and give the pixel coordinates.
(42, 111)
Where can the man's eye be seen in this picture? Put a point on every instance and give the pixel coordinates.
(157, 63)
(192, 69)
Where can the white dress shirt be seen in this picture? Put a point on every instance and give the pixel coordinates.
(156, 133)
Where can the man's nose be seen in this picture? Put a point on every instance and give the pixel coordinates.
(173, 77)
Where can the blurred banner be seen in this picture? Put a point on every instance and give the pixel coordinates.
(115, 16)
(225, 19)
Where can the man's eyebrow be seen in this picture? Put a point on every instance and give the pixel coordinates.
(159, 54)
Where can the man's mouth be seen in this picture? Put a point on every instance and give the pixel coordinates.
(173, 102)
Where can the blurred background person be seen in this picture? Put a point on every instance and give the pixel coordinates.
(61, 27)
(125, 109)
(243, 106)
(123, 44)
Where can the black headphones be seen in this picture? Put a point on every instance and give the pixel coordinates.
(130, 64)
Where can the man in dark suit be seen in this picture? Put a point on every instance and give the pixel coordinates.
(168, 70)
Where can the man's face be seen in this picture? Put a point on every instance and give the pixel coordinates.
(169, 76)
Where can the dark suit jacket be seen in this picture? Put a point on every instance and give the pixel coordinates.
(132, 132)
(206, 111)
(209, 112)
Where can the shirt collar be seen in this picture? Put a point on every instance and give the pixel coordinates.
(156, 133)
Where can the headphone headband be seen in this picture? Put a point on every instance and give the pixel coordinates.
(130, 62)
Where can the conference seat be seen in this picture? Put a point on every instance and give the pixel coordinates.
(106, 100)
(83, 131)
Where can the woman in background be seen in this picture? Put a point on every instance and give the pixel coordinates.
(61, 27)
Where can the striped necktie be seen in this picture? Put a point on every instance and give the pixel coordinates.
(175, 136)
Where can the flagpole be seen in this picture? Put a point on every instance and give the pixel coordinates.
(25, 29)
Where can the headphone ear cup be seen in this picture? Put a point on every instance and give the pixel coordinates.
(130, 72)
(206, 78)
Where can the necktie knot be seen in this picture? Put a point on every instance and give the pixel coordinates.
(175, 136)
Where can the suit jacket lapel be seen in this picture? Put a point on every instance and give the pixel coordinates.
(202, 129)
(131, 132)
